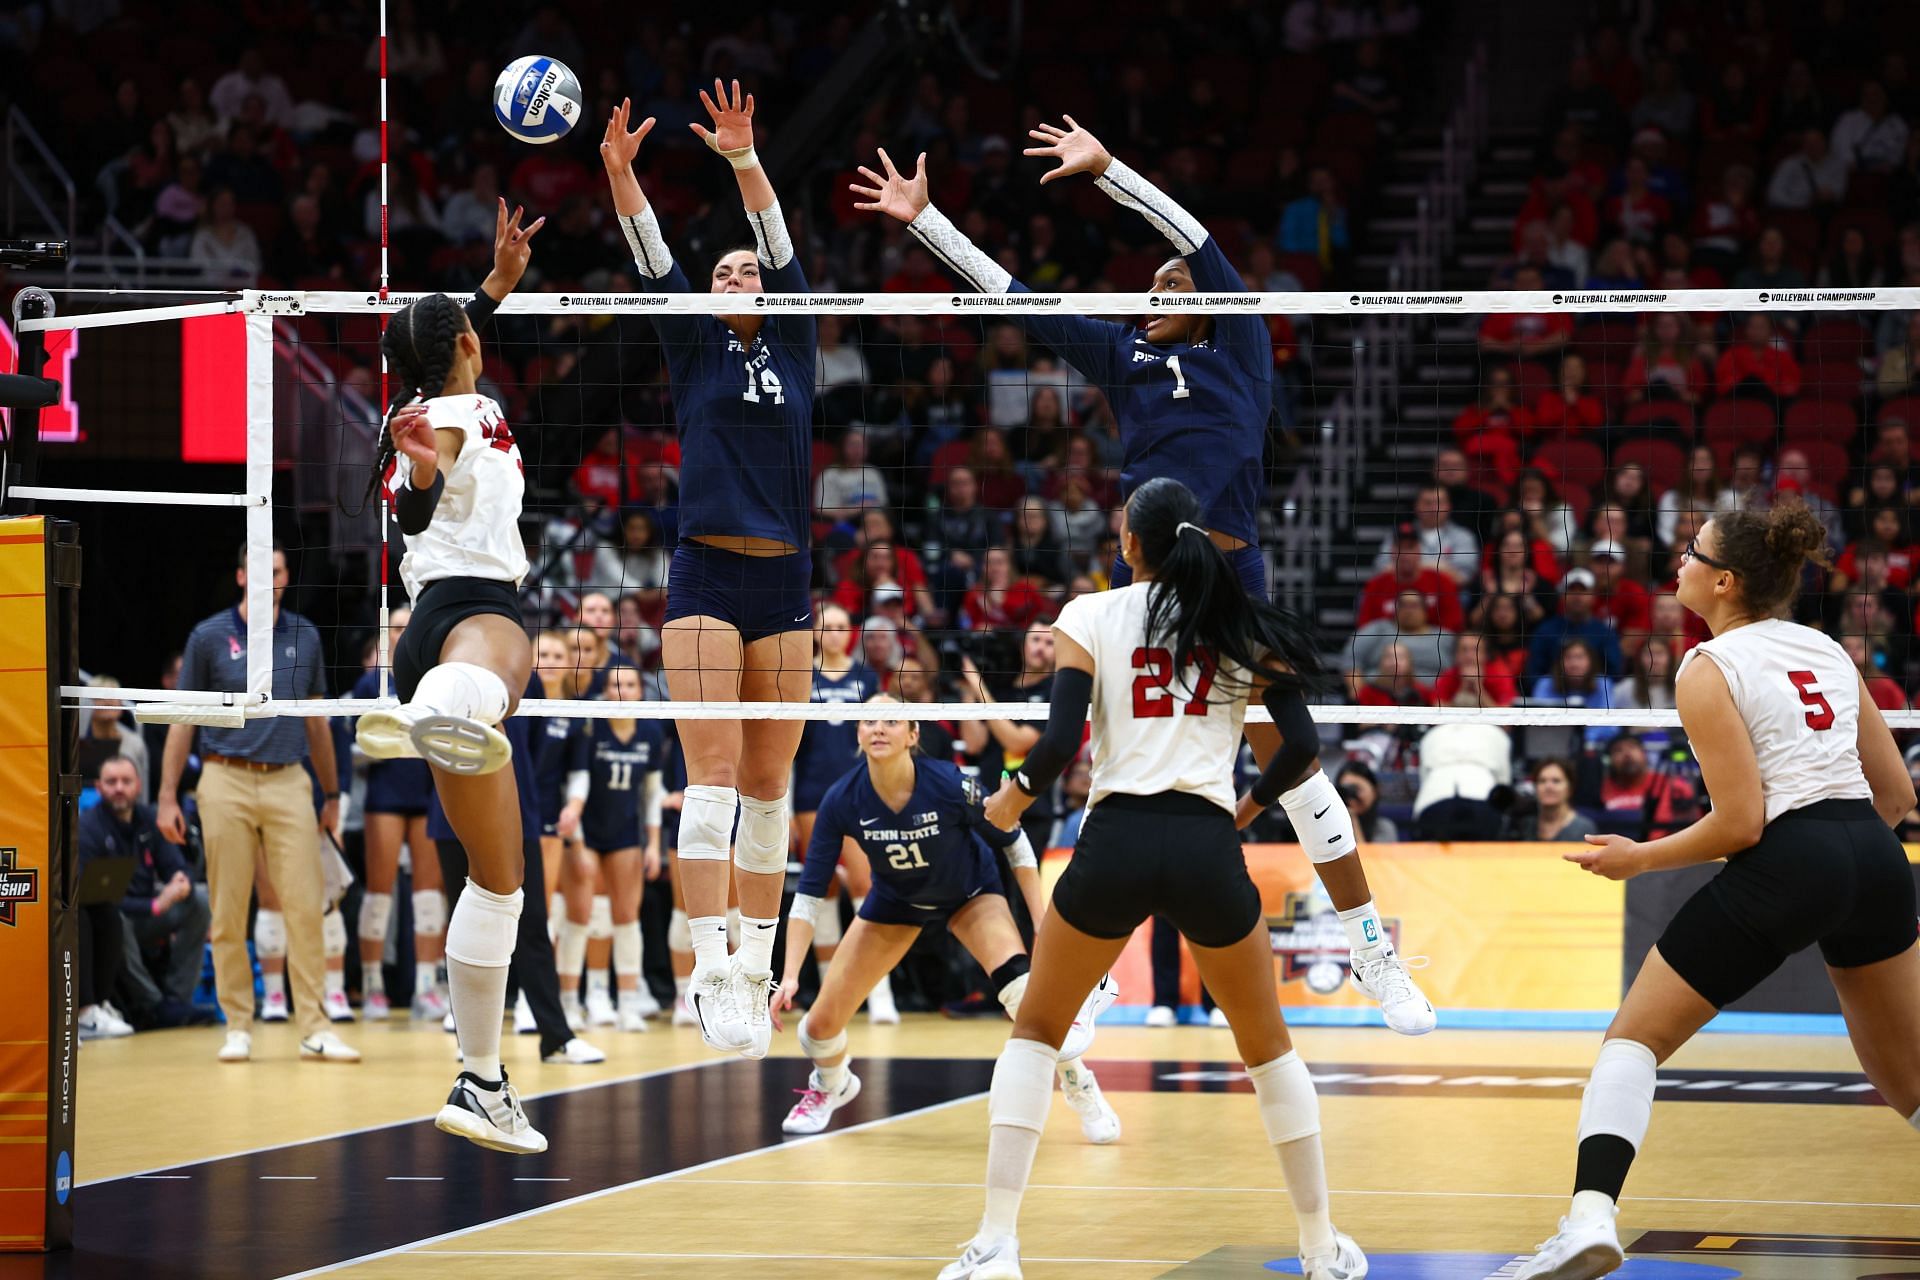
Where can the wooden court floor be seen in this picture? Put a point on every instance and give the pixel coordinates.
(1450, 1156)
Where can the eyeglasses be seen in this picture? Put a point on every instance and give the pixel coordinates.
(1693, 552)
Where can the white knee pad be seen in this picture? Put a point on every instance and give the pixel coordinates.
(679, 932)
(626, 949)
(764, 840)
(429, 913)
(463, 689)
(333, 935)
(376, 914)
(269, 934)
(570, 956)
(1320, 819)
(600, 919)
(1011, 994)
(832, 1047)
(706, 822)
(1619, 1095)
(1289, 1107)
(1022, 1085)
(826, 924)
(484, 927)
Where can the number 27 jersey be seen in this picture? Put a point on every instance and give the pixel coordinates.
(1799, 695)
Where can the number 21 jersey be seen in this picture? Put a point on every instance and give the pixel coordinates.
(1800, 697)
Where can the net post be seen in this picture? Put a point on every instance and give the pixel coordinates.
(23, 464)
(259, 600)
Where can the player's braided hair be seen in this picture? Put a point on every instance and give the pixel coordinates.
(1769, 548)
(1197, 600)
(420, 345)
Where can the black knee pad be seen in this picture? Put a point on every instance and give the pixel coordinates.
(1004, 976)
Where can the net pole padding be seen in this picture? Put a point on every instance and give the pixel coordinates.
(139, 315)
(1472, 302)
(190, 713)
(186, 697)
(142, 497)
(260, 513)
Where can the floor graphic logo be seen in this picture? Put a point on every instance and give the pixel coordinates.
(19, 886)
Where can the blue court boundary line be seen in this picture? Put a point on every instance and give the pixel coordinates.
(1772, 1024)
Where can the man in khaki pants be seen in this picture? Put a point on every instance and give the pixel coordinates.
(254, 795)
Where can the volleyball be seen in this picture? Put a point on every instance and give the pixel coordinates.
(537, 99)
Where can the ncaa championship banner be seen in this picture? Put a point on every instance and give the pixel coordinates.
(38, 1034)
(1509, 930)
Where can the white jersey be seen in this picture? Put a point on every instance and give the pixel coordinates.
(1800, 697)
(1153, 731)
(475, 532)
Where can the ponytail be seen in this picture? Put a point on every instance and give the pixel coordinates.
(420, 344)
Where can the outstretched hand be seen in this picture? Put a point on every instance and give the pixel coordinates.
(894, 195)
(1077, 150)
(513, 243)
(732, 119)
(618, 147)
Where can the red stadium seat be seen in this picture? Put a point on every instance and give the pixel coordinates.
(1530, 381)
(1606, 338)
(1876, 224)
(1827, 420)
(1743, 422)
(945, 459)
(1663, 461)
(1305, 268)
(1580, 464)
(1802, 230)
(1677, 414)
(1905, 408)
(1830, 358)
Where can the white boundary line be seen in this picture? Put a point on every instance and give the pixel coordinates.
(788, 1145)
(390, 1124)
(793, 1257)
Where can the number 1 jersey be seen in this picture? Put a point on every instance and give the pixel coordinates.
(1154, 729)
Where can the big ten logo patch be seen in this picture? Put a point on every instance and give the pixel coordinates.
(1312, 945)
(19, 886)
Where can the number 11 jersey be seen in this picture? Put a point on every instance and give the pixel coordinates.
(1154, 729)
(1800, 697)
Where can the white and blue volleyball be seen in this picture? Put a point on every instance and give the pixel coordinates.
(537, 99)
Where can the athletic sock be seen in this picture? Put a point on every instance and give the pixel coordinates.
(335, 981)
(426, 976)
(756, 943)
(1017, 1106)
(1364, 930)
(597, 984)
(275, 983)
(833, 1079)
(373, 979)
(1290, 1114)
(709, 942)
(480, 941)
(1614, 1114)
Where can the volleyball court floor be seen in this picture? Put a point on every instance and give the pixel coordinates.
(1450, 1157)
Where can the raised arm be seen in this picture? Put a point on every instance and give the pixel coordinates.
(512, 250)
(618, 146)
(732, 139)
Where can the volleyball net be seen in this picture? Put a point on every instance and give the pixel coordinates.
(1477, 499)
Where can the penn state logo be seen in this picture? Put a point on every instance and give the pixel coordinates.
(19, 886)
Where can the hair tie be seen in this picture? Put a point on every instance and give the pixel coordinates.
(1186, 525)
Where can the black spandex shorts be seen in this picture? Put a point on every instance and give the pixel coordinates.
(1174, 854)
(444, 604)
(1830, 873)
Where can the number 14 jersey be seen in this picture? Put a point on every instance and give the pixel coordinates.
(1800, 697)
(1154, 729)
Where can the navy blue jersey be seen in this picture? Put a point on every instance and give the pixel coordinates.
(829, 747)
(618, 769)
(745, 416)
(392, 785)
(925, 854)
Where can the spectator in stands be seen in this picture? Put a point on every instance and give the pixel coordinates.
(1871, 138)
(469, 213)
(252, 79)
(225, 247)
(1798, 107)
(1503, 625)
(1367, 87)
(1759, 365)
(106, 722)
(1553, 819)
(1429, 648)
(1770, 268)
(1698, 491)
(1569, 409)
(1745, 480)
(1492, 431)
(178, 211)
(1735, 112)
(837, 362)
(194, 128)
(1619, 600)
(1583, 106)
(1627, 489)
(1666, 362)
(1454, 550)
(1637, 797)
(1575, 679)
(1474, 508)
(1638, 213)
(1810, 177)
(1564, 249)
(999, 600)
(1870, 661)
(1725, 224)
(1392, 681)
(1549, 518)
(1853, 264)
(1001, 486)
(1649, 687)
(1316, 223)
(1525, 335)
(876, 565)
(1793, 473)
(163, 907)
(848, 485)
(1575, 621)
(1620, 266)
(1899, 369)
(633, 635)
(1036, 556)
(1509, 570)
(915, 682)
(965, 530)
(1041, 444)
(1893, 445)
(638, 566)
(1667, 104)
(1360, 791)
(241, 166)
(1475, 679)
(305, 249)
(1888, 531)
(412, 49)
(1409, 571)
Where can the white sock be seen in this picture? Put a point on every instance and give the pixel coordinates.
(597, 984)
(1017, 1106)
(709, 942)
(373, 979)
(1304, 1166)
(1589, 1205)
(480, 940)
(570, 957)
(733, 926)
(756, 943)
(465, 690)
(1290, 1114)
(275, 983)
(833, 1079)
(335, 981)
(426, 976)
(1364, 930)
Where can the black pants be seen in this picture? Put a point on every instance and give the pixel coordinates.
(102, 952)
(532, 969)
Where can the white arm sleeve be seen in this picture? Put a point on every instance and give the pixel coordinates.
(1020, 853)
(649, 244)
(579, 783)
(650, 792)
(1126, 187)
(771, 236)
(805, 907)
(960, 255)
